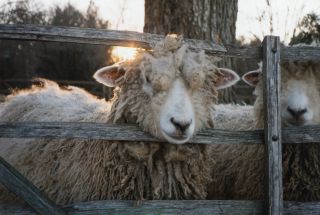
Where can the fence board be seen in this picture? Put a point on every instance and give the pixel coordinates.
(125, 132)
(95, 36)
(300, 53)
(143, 40)
(171, 207)
(287, 53)
(297, 135)
(16, 183)
(272, 124)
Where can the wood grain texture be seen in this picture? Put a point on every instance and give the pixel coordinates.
(142, 40)
(272, 124)
(171, 207)
(16, 183)
(95, 36)
(127, 132)
(286, 53)
(300, 53)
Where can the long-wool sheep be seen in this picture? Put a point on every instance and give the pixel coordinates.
(242, 174)
(227, 117)
(169, 92)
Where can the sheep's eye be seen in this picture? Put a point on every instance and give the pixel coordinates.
(180, 68)
(148, 79)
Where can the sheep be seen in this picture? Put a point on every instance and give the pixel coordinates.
(227, 117)
(242, 173)
(169, 92)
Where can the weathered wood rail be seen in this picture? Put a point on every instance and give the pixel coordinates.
(127, 132)
(272, 136)
(187, 207)
(142, 40)
(95, 36)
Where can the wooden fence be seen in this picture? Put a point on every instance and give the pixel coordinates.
(272, 136)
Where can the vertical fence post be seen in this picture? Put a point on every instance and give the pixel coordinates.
(272, 124)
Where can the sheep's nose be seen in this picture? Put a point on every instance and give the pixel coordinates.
(182, 126)
(297, 113)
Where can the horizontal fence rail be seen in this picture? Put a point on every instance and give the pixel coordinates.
(186, 207)
(95, 36)
(142, 40)
(102, 131)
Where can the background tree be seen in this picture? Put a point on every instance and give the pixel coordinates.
(201, 19)
(308, 30)
(52, 60)
(22, 12)
(70, 16)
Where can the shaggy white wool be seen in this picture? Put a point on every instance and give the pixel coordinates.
(80, 170)
(68, 105)
(227, 117)
(294, 73)
(242, 172)
(233, 117)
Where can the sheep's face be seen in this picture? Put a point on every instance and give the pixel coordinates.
(299, 93)
(171, 95)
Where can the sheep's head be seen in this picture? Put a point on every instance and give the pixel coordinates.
(300, 92)
(170, 92)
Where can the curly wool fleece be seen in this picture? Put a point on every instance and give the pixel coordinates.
(71, 170)
(239, 171)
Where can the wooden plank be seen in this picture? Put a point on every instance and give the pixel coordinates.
(143, 40)
(171, 207)
(242, 52)
(23, 188)
(127, 132)
(300, 53)
(301, 208)
(301, 134)
(95, 36)
(272, 125)
(287, 53)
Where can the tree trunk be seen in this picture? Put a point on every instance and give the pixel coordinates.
(197, 19)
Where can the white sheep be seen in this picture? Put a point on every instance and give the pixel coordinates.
(170, 93)
(242, 172)
(228, 117)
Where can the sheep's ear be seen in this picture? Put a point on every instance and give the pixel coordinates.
(252, 78)
(226, 78)
(109, 75)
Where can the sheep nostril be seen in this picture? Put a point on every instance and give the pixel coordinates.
(182, 126)
(297, 113)
(303, 111)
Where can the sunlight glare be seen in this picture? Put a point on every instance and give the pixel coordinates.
(120, 53)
